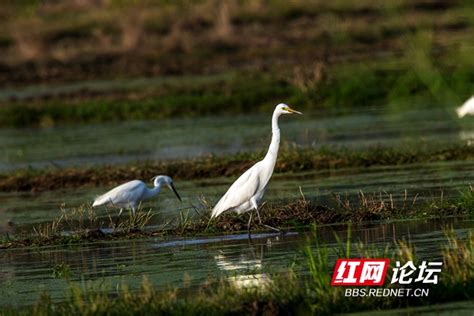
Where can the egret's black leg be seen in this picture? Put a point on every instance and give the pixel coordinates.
(133, 217)
(249, 223)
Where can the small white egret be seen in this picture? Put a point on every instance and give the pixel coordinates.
(246, 193)
(130, 194)
(466, 108)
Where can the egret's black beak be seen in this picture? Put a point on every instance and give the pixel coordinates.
(175, 192)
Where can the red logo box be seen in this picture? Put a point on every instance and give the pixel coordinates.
(360, 272)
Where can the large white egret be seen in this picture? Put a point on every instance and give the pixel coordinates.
(246, 193)
(466, 108)
(130, 194)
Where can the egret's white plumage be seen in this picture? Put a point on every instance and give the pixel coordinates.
(246, 193)
(466, 108)
(130, 194)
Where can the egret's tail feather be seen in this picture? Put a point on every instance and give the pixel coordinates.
(101, 200)
(216, 211)
(214, 214)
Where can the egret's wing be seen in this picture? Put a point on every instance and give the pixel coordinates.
(124, 193)
(244, 188)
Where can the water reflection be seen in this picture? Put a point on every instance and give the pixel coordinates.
(245, 272)
(27, 272)
(467, 137)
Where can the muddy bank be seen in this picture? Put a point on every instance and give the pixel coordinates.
(290, 160)
(82, 224)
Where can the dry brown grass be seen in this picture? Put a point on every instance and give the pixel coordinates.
(83, 222)
(47, 230)
(307, 78)
(80, 224)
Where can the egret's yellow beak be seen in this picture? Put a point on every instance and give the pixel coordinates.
(293, 111)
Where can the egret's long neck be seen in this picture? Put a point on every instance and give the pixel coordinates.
(152, 192)
(275, 144)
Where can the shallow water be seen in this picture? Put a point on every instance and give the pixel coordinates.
(183, 138)
(25, 273)
(428, 181)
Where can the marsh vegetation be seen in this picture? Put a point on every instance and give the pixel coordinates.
(81, 224)
(97, 93)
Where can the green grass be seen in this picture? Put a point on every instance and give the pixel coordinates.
(239, 95)
(284, 292)
(343, 88)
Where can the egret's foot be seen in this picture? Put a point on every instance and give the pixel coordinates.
(264, 225)
(272, 228)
